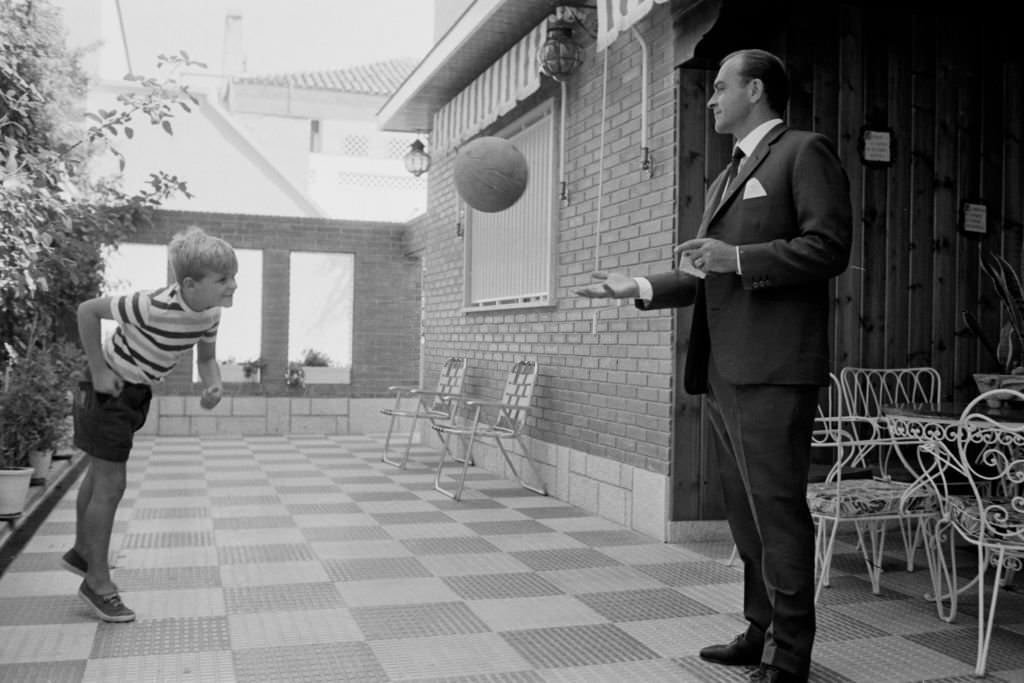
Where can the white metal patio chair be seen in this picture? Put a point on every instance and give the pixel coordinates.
(415, 404)
(493, 420)
(866, 392)
(870, 477)
(979, 483)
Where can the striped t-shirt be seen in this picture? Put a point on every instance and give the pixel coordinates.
(154, 329)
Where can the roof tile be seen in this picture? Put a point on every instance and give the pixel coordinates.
(377, 78)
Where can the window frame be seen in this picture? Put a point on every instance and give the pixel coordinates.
(535, 116)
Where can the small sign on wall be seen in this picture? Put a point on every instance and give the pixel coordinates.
(974, 217)
(876, 146)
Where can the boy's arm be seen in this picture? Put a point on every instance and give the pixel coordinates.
(209, 373)
(104, 380)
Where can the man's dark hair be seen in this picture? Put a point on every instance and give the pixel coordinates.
(770, 70)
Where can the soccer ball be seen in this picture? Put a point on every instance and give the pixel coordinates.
(490, 174)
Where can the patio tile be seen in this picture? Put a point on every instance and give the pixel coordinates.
(302, 558)
(188, 667)
(345, 661)
(577, 645)
(475, 656)
(643, 604)
(416, 621)
(294, 627)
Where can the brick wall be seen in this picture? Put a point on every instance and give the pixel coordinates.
(603, 391)
(386, 312)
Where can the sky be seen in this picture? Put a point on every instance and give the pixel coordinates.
(277, 35)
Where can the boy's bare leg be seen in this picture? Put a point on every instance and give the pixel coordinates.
(81, 506)
(97, 524)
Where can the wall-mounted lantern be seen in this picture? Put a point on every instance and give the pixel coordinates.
(560, 55)
(416, 160)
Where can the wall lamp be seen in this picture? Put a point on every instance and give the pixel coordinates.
(560, 55)
(416, 160)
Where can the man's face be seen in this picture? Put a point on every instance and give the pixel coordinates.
(213, 289)
(730, 103)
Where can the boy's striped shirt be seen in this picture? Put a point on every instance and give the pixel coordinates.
(154, 329)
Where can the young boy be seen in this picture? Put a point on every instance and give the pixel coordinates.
(155, 328)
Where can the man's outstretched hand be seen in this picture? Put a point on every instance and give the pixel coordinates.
(610, 286)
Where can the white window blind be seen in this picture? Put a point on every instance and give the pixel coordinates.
(509, 253)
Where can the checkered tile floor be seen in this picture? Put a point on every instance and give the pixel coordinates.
(305, 558)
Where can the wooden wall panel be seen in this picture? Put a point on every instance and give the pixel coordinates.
(944, 224)
(800, 63)
(897, 230)
(825, 115)
(875, 235)
(851, 115)
(696, 491)
(969, 78)
(1004, 175)
(922, 150)
(1012, 232)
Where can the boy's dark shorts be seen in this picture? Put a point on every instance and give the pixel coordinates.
(105, 425)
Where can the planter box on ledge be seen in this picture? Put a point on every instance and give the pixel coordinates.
(233, 372)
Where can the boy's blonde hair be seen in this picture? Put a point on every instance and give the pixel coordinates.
(192, 253)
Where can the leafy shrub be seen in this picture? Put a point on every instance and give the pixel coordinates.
(1008, 285)
(314, 358)
(36, 401)
(55, 219)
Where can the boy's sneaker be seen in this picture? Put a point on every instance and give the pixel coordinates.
(106, 607)
(74, 563)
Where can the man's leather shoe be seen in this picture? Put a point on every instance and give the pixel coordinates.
(740, 652)
(766, 673)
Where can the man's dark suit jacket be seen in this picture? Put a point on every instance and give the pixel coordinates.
(770, 325)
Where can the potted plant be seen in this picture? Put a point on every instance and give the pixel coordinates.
(33, 417)
(320, 369)
(295, 376)
(15, 472)
(241, 371)
(253, 369)
(1009, 349)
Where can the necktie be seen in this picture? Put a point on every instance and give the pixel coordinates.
(730, 173)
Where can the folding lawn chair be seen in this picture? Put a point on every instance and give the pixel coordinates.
(415, 404)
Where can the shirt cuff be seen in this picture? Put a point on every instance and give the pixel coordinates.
(739, 268)
(645, 292)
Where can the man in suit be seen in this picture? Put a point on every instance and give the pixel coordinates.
(757, 275)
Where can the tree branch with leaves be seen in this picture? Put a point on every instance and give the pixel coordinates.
(55, 218)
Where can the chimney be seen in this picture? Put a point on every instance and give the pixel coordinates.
(234, 45)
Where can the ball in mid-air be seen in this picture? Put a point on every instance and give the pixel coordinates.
(490, 174)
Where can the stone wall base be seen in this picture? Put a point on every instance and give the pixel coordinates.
(626, 495)
(183, 416)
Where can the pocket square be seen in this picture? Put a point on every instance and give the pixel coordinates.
(753, 189)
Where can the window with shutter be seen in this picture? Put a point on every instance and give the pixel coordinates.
(509, 254)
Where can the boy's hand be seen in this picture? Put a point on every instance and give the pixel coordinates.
(105, 381)
(211, 396)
